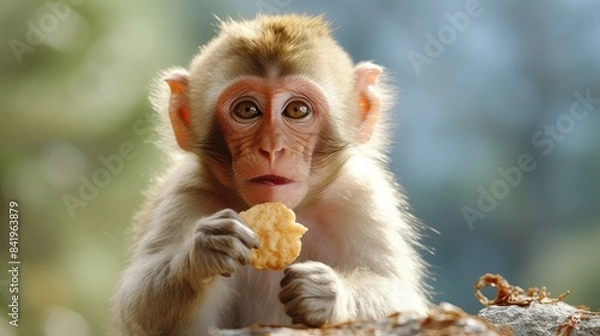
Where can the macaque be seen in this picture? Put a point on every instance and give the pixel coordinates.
(272, 109)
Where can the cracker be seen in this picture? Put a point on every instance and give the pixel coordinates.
(278, 235)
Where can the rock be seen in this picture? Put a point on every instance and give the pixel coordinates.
(543, 319)
(443, 320)
(513, 311)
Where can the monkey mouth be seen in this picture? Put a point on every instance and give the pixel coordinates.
(271, 180)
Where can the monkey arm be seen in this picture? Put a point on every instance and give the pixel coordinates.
(378, 272)
(386, 280)
(374, 295)
(314, 293)
(176, 265)
(154, 297)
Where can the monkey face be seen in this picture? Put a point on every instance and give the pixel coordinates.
(271, 127)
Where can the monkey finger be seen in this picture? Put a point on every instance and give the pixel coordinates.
(229, 246)
(310, 267)
(321, 279)
(244, 259)
(215, 263)
(228, 226)
(220, 226)
(227, 264)
(240, 253)
(307, 311)
(248, 238)
(290, 292)
(225, 213)
(217, 243)
(310, 321)
(311, 272)
(288, 277)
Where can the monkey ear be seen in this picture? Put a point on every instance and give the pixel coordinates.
(179, 109)
(369, 98)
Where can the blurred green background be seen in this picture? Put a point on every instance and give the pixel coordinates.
(482, 83)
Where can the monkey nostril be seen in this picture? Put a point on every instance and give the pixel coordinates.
(270, 154)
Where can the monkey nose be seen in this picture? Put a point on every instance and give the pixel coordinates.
(271, 148)
(270, 154)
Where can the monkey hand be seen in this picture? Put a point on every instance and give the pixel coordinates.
(221, 244)
(312, 292)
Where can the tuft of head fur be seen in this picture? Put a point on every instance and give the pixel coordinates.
(279, 45)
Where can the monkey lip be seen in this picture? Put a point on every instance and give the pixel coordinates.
(272, 180)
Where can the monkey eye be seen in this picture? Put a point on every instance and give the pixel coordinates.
(296, 110)
(246, 110)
